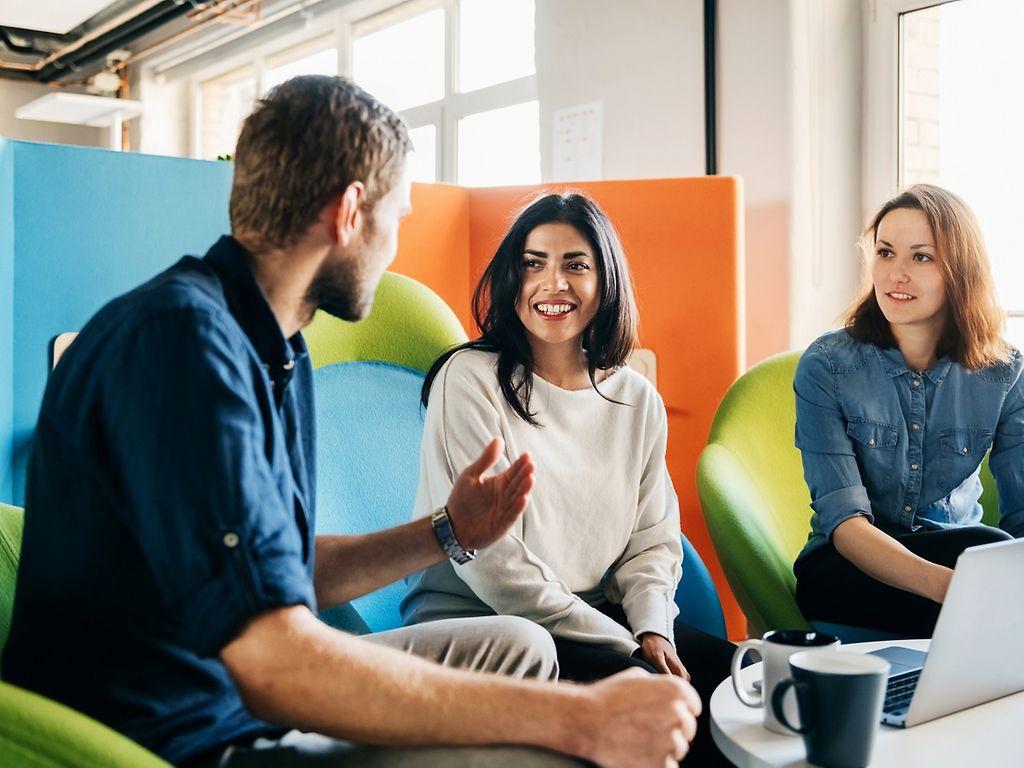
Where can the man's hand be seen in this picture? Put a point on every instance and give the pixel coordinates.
(483, 509)
(639, 720)
(659, 653)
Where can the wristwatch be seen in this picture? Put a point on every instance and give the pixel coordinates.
(446, 538)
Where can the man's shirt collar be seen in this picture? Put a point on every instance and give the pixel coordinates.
(249, 306)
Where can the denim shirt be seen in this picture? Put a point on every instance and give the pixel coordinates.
(903, 448)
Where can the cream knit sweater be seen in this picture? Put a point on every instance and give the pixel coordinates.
(603, 518)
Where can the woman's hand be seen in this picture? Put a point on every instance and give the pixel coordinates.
(659, 653)
(483, 509)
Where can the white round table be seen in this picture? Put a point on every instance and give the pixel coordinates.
(987, 736)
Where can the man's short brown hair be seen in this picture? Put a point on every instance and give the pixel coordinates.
(307, 140)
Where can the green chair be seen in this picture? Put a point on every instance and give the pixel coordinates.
(36, 732)
(753, 496)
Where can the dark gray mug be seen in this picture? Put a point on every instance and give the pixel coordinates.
(839, 697)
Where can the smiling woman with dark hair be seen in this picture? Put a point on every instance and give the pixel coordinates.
(595, 558)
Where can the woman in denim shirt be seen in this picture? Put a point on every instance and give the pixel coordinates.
(894, 415)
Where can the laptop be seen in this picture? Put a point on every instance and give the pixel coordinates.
(975, 654)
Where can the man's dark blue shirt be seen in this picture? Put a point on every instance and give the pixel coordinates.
(170, 498)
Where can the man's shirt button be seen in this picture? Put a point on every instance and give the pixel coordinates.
(231, 540)
(913, 466)
(915, 383)
(906, 509)
(915, 426)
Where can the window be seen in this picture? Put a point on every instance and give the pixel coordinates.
(460, 72)
(226, 101)
(500, 144)
(317, 58)
(423, 160)
(462, 75)
(496, 42)
(402, 64)
(958, 119)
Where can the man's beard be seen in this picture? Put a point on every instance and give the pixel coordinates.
(340, 289)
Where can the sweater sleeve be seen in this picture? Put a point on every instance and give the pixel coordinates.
(644, 578)
(462, 417)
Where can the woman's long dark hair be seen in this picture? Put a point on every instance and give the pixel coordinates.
(611, 335)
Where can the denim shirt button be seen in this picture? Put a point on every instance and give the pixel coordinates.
(230, 539)
(906, 508)
(915, 426)
(915, 383)
(871, 441)
(913, 466)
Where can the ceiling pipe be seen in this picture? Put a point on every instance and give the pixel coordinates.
(103, 29)
(216, 12)
(142, 18)
(291, 10)
(116, 38)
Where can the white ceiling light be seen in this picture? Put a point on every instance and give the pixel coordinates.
(59, 16)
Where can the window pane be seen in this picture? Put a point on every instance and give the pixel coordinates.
(495, 42)
(500, 147)
(961, 68)
(1015, 331)
(403, 64)
(323, 62)
(423, 160)
(226, 102)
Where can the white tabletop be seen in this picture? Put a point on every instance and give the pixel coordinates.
(987, 736)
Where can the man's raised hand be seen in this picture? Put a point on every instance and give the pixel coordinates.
(483, 509)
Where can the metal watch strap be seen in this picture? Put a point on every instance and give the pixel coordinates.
(446, 538)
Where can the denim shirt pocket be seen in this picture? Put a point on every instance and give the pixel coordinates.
(874, 443)
(960, 453)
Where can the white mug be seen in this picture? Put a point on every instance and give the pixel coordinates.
(775, 649)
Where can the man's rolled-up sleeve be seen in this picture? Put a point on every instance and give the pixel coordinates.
(197, 492)
(830, 464)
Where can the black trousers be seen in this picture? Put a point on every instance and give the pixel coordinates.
(706, 658)
(830, 588)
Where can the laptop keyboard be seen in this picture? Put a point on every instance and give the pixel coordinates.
(899, 692)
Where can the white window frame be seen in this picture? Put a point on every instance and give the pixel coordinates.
(882, 123)
(342, 24)
(445, 113)
(882, 115)
(322, 27)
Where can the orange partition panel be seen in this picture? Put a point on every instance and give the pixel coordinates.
(684, 242)
(683, 239)
(433, 245)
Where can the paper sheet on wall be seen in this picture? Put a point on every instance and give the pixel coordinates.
(577, 142)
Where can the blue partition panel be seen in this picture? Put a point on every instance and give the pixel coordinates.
(78, 227)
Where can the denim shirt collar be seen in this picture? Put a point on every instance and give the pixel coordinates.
(250, 308)
(894, 365)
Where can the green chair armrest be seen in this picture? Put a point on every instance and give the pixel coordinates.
(36, 732)
(763, 580)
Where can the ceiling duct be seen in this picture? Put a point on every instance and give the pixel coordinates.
(55, 56)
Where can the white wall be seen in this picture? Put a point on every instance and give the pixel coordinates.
(644, 60)
(15, 93)
(827, 161)
(755, 141)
